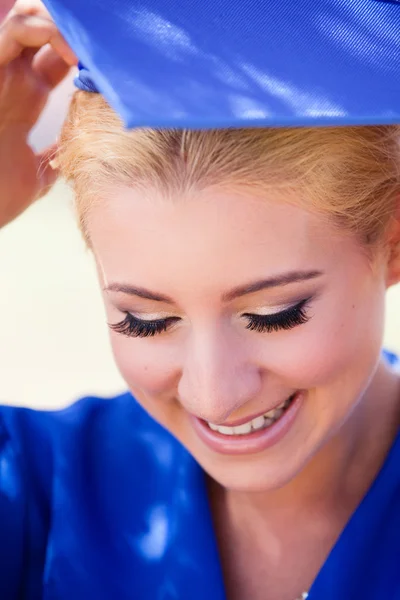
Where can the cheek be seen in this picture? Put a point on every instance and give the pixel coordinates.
(148, 365)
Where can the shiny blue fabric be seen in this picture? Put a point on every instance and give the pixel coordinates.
(99, 501)
(240, 63)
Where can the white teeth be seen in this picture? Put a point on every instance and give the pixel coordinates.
(242, 429)
(226, 430)
(256, 424)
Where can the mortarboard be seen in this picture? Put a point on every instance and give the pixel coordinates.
(238, 63)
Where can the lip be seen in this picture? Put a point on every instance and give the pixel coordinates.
(253, 442)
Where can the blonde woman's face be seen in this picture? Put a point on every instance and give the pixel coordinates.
(224, 308)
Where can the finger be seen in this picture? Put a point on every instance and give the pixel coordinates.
(31, 7)
(29, 53)
(27, 31)
(50, 66)
(5, 7)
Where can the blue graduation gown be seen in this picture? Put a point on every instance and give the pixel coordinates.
(97, 501)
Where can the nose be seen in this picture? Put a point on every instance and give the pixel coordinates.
(217, 377)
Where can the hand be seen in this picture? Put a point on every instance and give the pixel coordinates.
(34, 58)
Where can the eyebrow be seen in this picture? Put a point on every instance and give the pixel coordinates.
(131, 290)
(271, 282)
(243, 290)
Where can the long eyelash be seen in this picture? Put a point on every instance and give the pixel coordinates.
(133, 327)
(286, 319)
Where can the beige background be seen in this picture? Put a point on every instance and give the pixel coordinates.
(54, 343)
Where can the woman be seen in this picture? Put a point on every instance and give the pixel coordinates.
(244, 275)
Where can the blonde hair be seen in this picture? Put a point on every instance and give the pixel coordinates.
(349, 173)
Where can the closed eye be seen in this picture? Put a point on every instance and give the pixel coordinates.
(133, 327)
(286, 319)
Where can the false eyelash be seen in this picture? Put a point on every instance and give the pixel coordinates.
(286, 319)
(134, 327)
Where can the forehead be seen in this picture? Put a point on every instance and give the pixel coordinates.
(212, 235)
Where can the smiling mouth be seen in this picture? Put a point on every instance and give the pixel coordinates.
(258, 423)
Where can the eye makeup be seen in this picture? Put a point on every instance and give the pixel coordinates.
(283, 320)
(286, 319)
(133, 327)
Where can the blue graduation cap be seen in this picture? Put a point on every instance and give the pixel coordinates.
(238, 63)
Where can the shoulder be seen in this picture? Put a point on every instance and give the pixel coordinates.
(60, 468)
(92, 431)
(38, 436)
(35, 439)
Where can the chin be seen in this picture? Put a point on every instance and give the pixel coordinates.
(249, 475)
